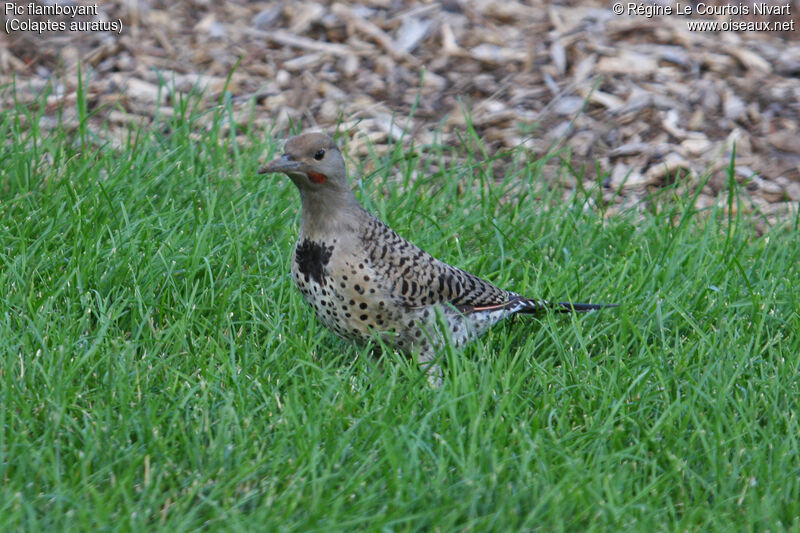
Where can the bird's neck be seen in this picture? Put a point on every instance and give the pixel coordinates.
(329, 213)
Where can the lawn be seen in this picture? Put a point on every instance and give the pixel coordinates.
(160, 371)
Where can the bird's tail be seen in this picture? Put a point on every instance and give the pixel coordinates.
(530, 306)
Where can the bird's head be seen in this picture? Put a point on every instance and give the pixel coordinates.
(313, 162)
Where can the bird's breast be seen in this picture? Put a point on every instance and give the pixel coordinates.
(311, 258)
(345, 292)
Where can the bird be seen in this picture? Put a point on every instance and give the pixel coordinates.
(364, 280)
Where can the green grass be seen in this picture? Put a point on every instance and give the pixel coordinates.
(160, 370)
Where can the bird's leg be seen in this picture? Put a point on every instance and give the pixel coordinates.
(427, 362)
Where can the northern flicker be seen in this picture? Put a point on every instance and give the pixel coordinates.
(362, 279)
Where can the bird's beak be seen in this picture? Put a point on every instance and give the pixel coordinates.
(282, 164)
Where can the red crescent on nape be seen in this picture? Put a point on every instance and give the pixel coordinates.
(316, 177)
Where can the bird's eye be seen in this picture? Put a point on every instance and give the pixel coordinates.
(319, 155)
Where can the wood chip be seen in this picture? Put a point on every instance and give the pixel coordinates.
(497, 55)
(628, 62)
(558, 55)
(672, 164)
(411, 32)
(285, 38)
(368, 28)
(787, 141)
(696, 146)
(750, 59)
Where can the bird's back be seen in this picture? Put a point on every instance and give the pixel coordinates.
(417, 279)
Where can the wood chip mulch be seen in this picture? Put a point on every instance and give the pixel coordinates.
(637, 101)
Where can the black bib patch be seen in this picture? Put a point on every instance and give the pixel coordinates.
(311, 258)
